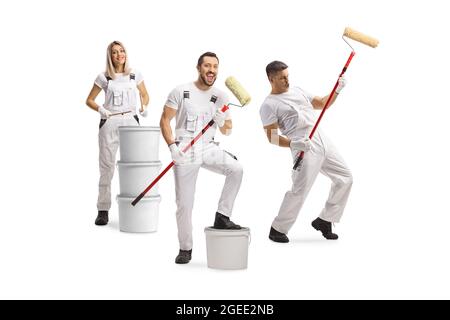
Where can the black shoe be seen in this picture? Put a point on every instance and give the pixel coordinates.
(183, 257)
(276, 236)
(102, 218)
(224, 222)
(324, 227)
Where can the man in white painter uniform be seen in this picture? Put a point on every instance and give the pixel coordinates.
(291, 110)
(194, 104)
(119, 82)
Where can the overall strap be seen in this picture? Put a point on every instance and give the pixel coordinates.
(108, 79)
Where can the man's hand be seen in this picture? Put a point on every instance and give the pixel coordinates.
(219, 118)
(301, 144)
(176, 153)
(341, 84)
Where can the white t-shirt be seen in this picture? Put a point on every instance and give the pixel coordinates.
(195, 111)
(120, 93)
(101, 81)
(292, 111)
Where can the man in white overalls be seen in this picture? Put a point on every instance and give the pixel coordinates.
(194, 104)
(291, 110)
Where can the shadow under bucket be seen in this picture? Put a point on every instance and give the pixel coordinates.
(227, 249)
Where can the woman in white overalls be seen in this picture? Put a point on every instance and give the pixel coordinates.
(119, 83)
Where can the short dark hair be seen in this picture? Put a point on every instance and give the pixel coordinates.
(206, 54)
(274, 67)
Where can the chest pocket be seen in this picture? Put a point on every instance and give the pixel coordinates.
(117, 98)
(122, 92)
(191, 123)
(196, 117)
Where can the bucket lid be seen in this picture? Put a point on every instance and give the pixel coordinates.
(139, 128)
(244, 231)
(130, 199)
(140, 164)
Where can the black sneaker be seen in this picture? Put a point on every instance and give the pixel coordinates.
(276, 236)
(102, 218)
(183, 257)
(324, 227)
(224, 222)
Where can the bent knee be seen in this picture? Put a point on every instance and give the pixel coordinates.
(346, 179)
(237, 169)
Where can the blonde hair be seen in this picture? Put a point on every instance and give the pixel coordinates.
(110, 69)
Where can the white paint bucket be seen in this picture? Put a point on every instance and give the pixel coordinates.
(227, 249)
(143, 217)
(134, 177)
(139, 143)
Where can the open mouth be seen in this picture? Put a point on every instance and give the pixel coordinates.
(210, 77)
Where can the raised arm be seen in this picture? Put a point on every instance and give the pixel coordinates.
(320, 102)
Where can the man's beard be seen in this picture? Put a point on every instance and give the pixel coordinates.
(206, 83)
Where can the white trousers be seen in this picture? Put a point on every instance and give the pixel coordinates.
(324, 158)
(212, 158)
(108, 142)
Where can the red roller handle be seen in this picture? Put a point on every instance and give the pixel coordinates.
(143, 193)
(301, 154)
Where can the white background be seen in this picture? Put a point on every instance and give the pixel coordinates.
(390, 124)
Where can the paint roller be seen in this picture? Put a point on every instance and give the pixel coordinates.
(360, 37)
(238, 90)
(354, 35)
(243, 97)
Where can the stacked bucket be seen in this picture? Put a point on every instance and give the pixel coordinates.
(138, 165)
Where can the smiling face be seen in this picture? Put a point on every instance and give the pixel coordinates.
(118, 55)
(207, 70)
(280, 81)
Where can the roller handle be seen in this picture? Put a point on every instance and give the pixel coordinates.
(143, 193)
(121, 113)
(301, 154)
(210, 124)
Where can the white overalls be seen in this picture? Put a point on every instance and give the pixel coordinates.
(296, 123)
(196, 111)
(120, 96)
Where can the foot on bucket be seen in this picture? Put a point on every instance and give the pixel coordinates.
(276, 236)
(224, 222)
(102, 218)
(324, 227)
(183, 257)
